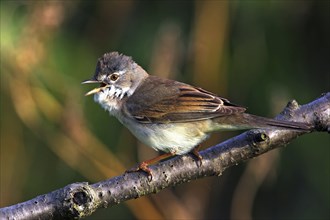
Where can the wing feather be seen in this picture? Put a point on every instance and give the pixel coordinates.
(163, 101)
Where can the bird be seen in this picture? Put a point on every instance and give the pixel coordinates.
(169, 116)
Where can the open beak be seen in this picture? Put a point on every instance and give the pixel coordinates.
(96, 90)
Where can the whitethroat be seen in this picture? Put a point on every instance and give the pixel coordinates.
(167, 115)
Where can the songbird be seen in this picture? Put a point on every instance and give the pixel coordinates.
(167, 115)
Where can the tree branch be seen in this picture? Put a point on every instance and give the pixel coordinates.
(82, 199)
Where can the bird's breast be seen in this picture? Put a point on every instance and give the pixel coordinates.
(177, 138)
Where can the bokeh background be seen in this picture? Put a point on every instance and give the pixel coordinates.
(260, 54)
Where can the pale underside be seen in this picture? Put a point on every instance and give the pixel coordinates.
(168, 116)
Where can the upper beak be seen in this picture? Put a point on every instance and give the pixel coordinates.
(93, 91)
(90, 81)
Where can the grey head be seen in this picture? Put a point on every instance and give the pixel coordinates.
(117, 73)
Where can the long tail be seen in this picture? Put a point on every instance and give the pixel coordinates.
(248, 121)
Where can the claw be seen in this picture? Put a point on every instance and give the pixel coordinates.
(142, 166)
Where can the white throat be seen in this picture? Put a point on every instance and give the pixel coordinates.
(109, 98)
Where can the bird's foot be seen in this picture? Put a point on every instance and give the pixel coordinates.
(198, 156)
(144, 166)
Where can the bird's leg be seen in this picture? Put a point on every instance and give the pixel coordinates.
(144, 166)
(197, 155)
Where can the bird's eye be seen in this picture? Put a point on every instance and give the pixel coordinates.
(114, 77)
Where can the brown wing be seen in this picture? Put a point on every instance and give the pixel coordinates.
(162, 101)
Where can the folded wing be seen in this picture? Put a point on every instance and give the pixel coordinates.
(163, 101)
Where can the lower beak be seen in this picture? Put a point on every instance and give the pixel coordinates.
(93, 91)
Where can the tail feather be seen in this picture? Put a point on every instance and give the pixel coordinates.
(266, 122)
(248, 121)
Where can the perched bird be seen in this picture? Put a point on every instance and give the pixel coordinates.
(168, 115)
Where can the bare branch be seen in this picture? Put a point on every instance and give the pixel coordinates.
(82, 199)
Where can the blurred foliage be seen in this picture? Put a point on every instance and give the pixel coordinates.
(260, 54)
